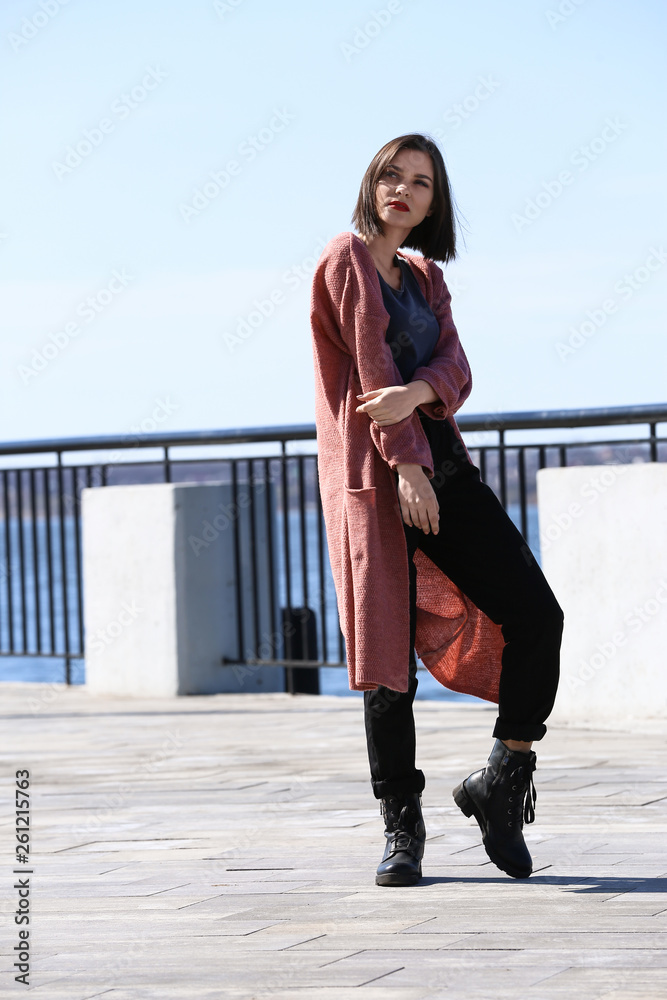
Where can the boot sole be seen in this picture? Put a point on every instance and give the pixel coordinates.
(395, 878)
(468, 808)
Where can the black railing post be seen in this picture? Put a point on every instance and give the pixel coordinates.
(63, 568)
(502, 472)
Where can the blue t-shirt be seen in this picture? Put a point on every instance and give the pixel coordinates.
(413, 330)
(412, 334)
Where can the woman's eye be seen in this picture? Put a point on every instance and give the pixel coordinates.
(392, 173)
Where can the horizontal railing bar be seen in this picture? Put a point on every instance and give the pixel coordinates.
(493, 446)
(536, 445)
(242, 435)
(538, 419)
(298, 663)
(488, 446)
(40, 656)
(280, 663)
(529, 420)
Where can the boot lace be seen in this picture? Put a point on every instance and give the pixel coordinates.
(522, 782)
(401, 839)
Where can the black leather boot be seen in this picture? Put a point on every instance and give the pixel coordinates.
(405, 833)
(500, 797)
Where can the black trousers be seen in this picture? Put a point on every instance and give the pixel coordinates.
(480, 549)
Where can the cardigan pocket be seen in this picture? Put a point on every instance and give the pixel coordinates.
(361, 510)
(372, 497)
(368, 511)
(366, 495)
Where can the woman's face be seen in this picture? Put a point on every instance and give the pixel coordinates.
(408, 180)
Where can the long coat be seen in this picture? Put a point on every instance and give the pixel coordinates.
(458, 644)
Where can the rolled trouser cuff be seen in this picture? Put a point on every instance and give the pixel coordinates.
(399, 787)
(526, 732)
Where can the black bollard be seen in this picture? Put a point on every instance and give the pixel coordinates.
(300, 643)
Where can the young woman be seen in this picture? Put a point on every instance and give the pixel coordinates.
(423, 554)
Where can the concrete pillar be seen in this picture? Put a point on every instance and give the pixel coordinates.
(160, 591)
(603, 540)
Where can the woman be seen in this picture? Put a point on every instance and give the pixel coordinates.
(422, 553)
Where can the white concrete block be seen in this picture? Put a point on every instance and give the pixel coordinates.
(603, 540)
(160, 592)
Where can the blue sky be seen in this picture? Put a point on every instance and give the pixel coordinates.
(121, 284)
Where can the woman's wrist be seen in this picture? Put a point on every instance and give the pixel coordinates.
(407, 469)
(423, 391)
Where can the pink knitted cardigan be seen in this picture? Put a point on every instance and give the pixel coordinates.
(458, 644)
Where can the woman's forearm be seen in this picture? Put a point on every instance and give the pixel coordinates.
(422, 392)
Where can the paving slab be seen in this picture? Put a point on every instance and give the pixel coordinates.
(226, 845)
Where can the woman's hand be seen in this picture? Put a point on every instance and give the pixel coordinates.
(388, 406)
(419, 504)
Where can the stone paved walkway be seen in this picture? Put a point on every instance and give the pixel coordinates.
(225, 846)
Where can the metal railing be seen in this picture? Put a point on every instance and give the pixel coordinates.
(272, 497)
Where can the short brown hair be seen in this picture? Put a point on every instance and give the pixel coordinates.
(435, 236)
